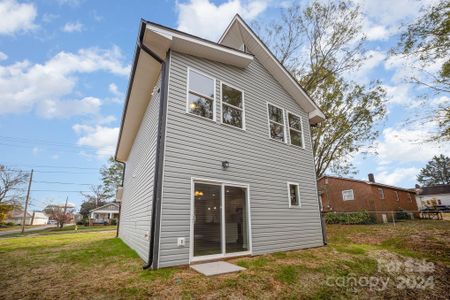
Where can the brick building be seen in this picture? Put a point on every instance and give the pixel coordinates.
(351, 195)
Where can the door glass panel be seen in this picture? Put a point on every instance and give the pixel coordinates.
(207, 219)
(236, 221)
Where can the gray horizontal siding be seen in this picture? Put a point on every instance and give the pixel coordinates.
(137, 198)
(195, 147)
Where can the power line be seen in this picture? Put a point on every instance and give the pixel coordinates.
(57, 182)
(54, 167)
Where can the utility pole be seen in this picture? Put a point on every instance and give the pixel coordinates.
(65, 210)
(26, 201)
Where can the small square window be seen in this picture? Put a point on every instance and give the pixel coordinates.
(348, 195)
(294, 195)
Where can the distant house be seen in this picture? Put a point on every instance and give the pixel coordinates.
(32, 218)
(351, 195)
(104, 214)
(39, 218)
(433, 196)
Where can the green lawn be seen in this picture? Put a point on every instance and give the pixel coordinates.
(65, 229)
(15, 227)
(96, 265)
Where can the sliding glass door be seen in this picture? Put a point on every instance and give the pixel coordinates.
(220, 220)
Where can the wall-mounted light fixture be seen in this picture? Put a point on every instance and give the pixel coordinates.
(225, 164)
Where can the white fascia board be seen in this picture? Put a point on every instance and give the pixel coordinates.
(198, 47)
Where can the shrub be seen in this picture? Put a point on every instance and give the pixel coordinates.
(113, 222)
(361, 217)
(402, 215)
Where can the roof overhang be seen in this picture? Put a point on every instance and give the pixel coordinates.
(238, 33)
(154, 42)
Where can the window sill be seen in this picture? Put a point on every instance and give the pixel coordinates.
(231, 126)
(277, 141)
(200, 117)
(295, 146)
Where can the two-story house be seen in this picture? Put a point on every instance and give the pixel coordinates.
(216, 143)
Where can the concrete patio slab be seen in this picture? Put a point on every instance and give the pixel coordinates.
(216, 268)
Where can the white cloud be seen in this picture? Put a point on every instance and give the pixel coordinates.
(3, 56)
(377, 32)
(374, 59)
(16, 17)
(114, 90)
(25, 86)
(383, 18)
(73, 27)
(406, 145)
(397, 176)
(209, 20)
(64, 109)
(36, 150)
(102, 138)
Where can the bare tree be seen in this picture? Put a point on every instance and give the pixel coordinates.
(62, 214)
(10, 181)
(320, 44)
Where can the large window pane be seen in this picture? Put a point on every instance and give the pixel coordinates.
(207, 219)
(296, 137)
(231, 96)
(231, 116)
(201, 106)
(201, 84)
(276, 114)
(276, 131)
(295, 122)
(236, 221)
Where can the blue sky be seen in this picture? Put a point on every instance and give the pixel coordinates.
(64, 67)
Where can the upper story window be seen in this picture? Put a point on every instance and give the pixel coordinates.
(409, 197)
(276, 122)
(347, 195)
(201, 94)
(295, 130)
(294, 194)
(232, 106)
(381, 192)
(396, 196)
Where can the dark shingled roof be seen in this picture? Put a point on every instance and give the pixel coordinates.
(437, 189)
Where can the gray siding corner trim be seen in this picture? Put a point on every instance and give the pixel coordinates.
(136, 208)
(159, 165)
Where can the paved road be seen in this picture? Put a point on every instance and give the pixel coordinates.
(26, 229)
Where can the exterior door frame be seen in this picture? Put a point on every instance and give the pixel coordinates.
(222, 183)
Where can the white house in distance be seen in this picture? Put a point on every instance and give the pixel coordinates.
(217, 148)
(32, 218)
(105, 213)
(433, 196)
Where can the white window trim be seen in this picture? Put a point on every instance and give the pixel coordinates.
(232, 106)
(397, 196)
(353, 195)
(284, 123)
(189, 69)
(298, 193)
(221, 183)
(301, 129)
(410, 197)
(381, 194)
